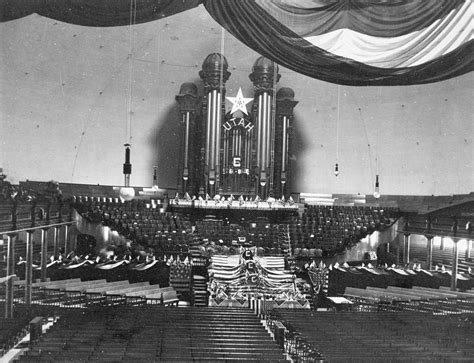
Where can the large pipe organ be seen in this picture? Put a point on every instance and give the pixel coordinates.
(242, 151)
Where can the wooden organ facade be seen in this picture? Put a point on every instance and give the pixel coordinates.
(238, 152)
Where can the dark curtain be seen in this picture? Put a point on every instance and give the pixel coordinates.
(101, 13)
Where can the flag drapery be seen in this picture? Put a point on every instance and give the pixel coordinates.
(356, 42)
(351, 42)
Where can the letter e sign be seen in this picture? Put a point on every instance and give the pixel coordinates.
(236, 162)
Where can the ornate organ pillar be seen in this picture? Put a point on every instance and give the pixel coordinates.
(188, 102)
(264, 76)
(285, 103)
(214, 75)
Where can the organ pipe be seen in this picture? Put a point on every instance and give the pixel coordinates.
(284, 146)
(186, 146)
(218, 126)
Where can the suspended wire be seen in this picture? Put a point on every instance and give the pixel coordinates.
(128, 126)
(88, 118)
(366, 138)
(337, 120)
(158, 103)
(336, 166)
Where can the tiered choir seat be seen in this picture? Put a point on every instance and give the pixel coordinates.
(334, 228)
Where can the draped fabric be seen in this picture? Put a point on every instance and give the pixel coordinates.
(100, 13)
(357, 42)
(352, 42)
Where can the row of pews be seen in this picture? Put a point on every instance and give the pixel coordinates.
(156, 333)
(422, 299)
(376, 336)
(11, 331)
(77, 293)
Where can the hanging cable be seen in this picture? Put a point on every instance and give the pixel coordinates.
(128, 126)
(158, 103)
(336, 167)
(366, 138)
(377, 184)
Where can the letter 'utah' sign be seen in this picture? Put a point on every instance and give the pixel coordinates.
(238, 122)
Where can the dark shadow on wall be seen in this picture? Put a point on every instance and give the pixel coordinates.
(297, 147)
(166, 140)
(165, 143)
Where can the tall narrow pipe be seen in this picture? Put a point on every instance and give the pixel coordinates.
(186, 139)
(259, 133)
(213, 122)
(225, 146)
(208, 129)
(284, 151)
(218, 133)
(264, 117)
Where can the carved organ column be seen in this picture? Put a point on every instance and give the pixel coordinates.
(263, 76)
(214, 75)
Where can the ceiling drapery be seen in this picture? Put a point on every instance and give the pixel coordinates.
(357, 42)
(100, 13)
(351, 42)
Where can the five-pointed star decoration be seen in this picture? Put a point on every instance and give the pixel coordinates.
(239, 102)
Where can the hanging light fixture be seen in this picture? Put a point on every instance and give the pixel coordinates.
(336, 167)
(376, 191)
(155, 175)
